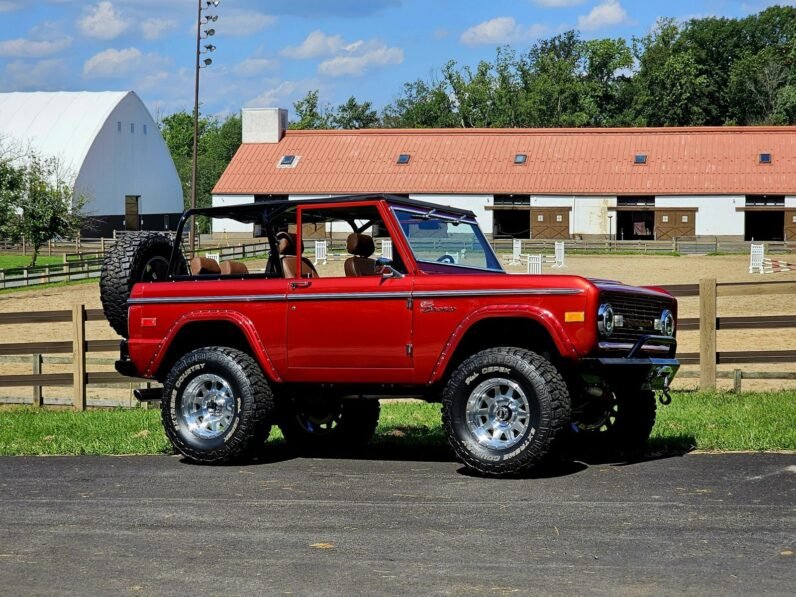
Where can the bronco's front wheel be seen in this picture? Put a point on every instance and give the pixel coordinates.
(217, 405)
(503, 409)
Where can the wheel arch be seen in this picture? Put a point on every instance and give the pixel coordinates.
(518, 326)
(211, 328)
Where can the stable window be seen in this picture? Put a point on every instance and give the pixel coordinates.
(559, 218)
(119, 126)
(665, 219)
(684, 219)
(403, 158)
(520, 159)
(640, 159)
(765, 158)
(540, 218)
(287, 160)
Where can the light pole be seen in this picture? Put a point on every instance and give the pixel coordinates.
(200, 35)
(610, 218)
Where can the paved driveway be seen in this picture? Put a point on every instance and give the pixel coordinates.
(698, 524)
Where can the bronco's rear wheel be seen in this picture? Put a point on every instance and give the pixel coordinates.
(135, 257)
(217, 406)
(320, 425)
(503, 409)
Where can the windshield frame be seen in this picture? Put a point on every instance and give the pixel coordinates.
(439, 214)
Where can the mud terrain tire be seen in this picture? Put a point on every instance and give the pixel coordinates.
(624, 426)
(503, 410)
(322, 426)
(136, 257)
(217, 406)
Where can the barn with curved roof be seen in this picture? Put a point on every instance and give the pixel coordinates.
(112, 147)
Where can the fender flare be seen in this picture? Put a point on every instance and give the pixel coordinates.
(243, 323)
(541, 316)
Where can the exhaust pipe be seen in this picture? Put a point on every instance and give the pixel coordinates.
(148, 395)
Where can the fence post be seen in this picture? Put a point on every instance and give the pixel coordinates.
(49, 248)
(707, 334)
(37, 401)
(79, 355)
(102, 246)
(737, 376)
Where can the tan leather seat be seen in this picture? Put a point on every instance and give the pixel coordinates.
(201, 266)
(361, 247)
(287, 253)
(233, 267)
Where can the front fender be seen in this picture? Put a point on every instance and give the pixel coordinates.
(243, 323)
(541, 316)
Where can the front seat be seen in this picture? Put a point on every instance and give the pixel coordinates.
(287, 253)
(361, 247)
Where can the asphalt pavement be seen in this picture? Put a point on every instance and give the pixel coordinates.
(694, 524)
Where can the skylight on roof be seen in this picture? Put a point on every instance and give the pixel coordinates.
(288, 161)
(403, 158)
(765, 158)
(520, 158)
(640, 158)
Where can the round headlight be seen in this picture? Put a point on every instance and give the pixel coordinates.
(605, 319)
(667, 323)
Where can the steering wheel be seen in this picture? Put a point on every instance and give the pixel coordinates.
(447, 259)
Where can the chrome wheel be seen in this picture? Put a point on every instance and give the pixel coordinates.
(498, 413)
(208, 406)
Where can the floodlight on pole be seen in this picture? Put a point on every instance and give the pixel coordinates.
(201, 20)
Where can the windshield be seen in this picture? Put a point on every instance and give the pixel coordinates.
(446, 239)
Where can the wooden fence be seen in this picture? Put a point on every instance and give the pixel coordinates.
(708, 323)
(708, 357)
(78, 378)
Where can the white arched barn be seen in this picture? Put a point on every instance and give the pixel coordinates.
(111, 146)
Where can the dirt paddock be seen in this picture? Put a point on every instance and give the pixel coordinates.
(635, 269)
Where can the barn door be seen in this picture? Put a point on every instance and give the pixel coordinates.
(674, 223)
(550, 222)
(131, 221)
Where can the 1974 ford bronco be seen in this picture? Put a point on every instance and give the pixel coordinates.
(519, 362)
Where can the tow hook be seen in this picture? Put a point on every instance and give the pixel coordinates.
(663, 395)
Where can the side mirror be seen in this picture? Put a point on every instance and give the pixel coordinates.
(385, 269)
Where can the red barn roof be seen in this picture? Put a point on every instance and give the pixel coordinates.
(679, 161)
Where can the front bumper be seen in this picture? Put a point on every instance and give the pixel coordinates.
(637, 368)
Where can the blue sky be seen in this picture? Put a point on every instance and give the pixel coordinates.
(270, 53)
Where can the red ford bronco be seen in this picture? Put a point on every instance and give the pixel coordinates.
(519, 362)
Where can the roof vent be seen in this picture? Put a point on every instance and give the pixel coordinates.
(403, 158)
(765, 158)
(640, 158)
(288, 161)
(520, 159)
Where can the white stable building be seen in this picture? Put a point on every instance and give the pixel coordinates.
(629, 183)
(112, 147)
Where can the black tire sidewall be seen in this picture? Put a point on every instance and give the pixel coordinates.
(187, 369)
(522, 374)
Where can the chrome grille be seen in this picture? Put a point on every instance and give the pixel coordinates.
(639, 313)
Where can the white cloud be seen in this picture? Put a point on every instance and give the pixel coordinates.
(241, 23)
(275, 96)
(7, 6)
(155, 28)
(102, 21)
(606, 14)
(29, 48)
(23, 75)
(315, 45)
(113, 63)
(360, 56)
(251, 67)
(557, 3)
(500, 30)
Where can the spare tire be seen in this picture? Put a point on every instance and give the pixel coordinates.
(135, 257)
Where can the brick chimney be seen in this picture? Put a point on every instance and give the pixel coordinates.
(263, 125)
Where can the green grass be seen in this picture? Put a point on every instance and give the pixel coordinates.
(721, 422)
(19, 261)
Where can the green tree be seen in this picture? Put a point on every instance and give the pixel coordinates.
(39, 203)
(355, 115)
(310, 115)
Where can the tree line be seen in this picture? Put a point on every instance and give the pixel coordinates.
(706, 71)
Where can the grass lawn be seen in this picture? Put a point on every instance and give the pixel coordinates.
(14, 261)
(754, 421)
